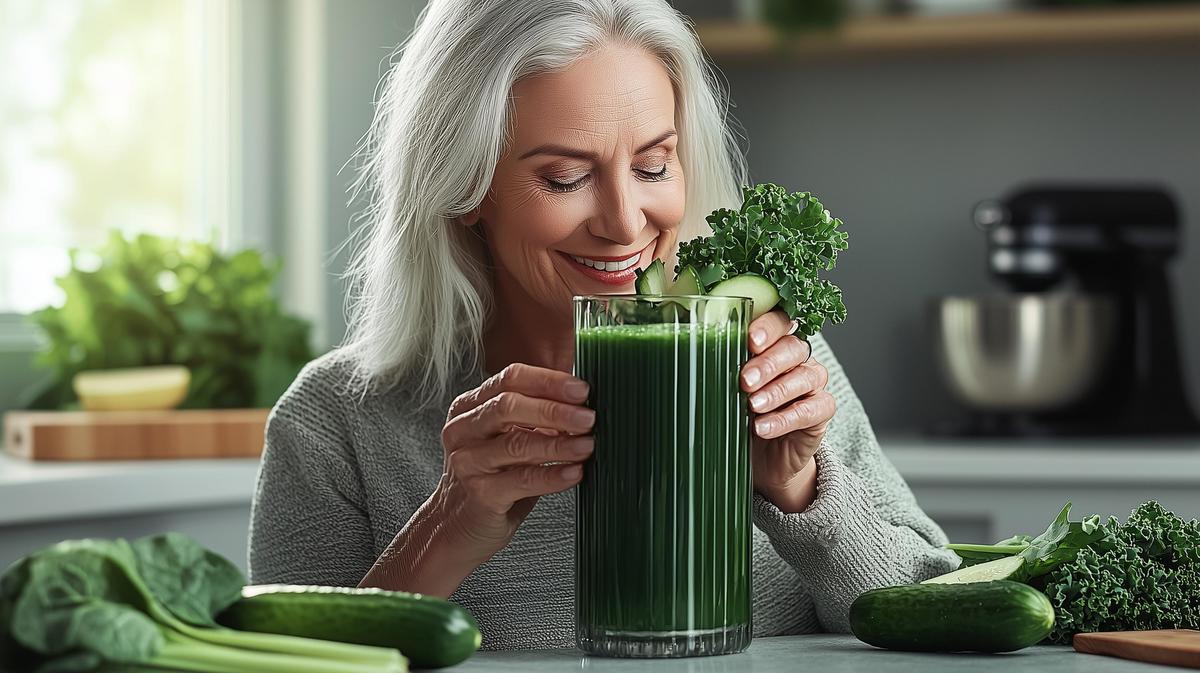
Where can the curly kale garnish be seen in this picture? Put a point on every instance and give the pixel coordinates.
(1143, 574)
(784, 237)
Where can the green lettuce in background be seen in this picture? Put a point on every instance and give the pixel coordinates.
(154, 301)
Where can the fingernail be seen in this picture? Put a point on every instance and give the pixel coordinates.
(577, 388)
(751, 376)
(758, 400)
(583, 417)
(581, 446)
(572, 472)
(763, 427)
(758, 336)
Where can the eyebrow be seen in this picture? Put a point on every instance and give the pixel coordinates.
(563, 151)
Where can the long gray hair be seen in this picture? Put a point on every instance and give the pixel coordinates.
(420, 296)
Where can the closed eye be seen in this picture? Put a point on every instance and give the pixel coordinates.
(654, 175)
(556, 186)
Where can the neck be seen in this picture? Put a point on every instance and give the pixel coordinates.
(523, 331)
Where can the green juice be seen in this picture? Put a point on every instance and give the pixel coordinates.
(663, 520)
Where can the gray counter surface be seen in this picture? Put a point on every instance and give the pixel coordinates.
(822, 653)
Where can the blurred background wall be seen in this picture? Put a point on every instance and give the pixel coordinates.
(902, 148)
(900, 145)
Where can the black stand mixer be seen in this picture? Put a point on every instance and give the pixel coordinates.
(1084, 343)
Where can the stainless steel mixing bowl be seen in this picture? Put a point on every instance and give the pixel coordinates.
(1022, 352)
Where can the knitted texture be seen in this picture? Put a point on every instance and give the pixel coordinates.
(342, 472)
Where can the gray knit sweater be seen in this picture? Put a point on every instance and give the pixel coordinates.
(341, 474)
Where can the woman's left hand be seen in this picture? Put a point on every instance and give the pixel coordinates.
(791, 411)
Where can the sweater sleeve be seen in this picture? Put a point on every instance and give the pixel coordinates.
(865, 529)
(307, 522)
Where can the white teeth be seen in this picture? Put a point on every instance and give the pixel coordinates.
(608, 266)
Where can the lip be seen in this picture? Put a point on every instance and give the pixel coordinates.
(610, 277)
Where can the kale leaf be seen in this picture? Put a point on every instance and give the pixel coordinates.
(1143, 574)
(785, 237)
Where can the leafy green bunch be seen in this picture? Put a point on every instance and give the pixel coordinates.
(1108, 576)
(156, 301)
(785, 237)
(1143, 574)
(1060, 542)
(116, 606)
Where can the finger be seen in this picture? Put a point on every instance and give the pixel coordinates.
(792, 385)
(520, 447)
(809, 412)
(781, 357)
(527, 379)
(508, 409)
(767, 329)
(528, 481)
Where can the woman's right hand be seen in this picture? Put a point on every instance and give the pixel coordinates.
(520, 435)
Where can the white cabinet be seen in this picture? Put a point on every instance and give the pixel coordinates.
(985, 490)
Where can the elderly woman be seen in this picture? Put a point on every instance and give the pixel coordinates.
(525, 151)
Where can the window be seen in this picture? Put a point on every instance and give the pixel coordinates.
(114, 114)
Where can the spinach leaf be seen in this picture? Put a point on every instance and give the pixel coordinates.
(1061, 540)
(84, 605)
(187, 579)
(82, 595)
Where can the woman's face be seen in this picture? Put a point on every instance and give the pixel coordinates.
(590, 187)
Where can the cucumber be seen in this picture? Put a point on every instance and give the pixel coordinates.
(431, 632)
(1007, 568)
(710, 274)
(752, 286)
(999, 616)
(686, 283)
(652, 280)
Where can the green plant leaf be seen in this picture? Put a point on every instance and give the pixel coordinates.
(155, 300)
(187, 579)
(785, 237)
(84, 595)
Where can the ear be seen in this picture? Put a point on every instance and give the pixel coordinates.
(469, 219)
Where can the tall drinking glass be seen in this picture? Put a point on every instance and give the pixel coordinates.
(662, 552)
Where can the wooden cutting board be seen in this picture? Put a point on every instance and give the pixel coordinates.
(1173, 647)
(135, 435)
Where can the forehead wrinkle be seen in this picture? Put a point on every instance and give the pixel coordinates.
(641, 115)
(648, 104)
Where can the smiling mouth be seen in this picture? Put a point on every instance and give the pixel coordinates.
(609, 265)
(610, 270)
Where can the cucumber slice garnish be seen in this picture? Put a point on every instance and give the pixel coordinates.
(710, 275)
(651, 281)
(751, 286)
(686, 283)
(1000, 569)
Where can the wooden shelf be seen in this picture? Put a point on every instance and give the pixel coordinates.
(1179, 23)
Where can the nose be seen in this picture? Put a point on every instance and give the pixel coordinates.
(620, 218)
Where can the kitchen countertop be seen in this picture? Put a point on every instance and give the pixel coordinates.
(44, 491)
(1102, 460)
(825, 653)
(33, 491)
